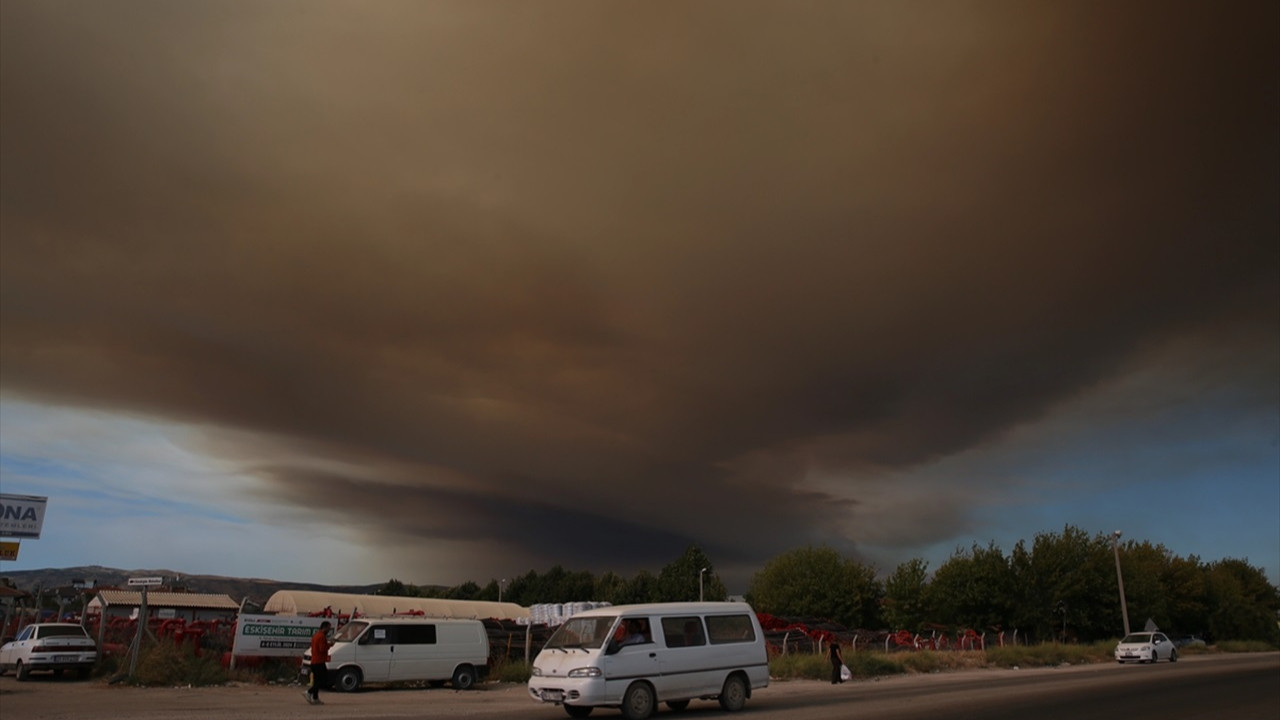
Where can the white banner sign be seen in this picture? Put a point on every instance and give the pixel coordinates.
(21, 516)
(275, 635)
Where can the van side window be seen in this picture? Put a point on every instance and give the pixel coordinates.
(417, 634)
(380, 635)
(722, 629)
(683, 631)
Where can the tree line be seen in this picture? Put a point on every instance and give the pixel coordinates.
(1061, 587)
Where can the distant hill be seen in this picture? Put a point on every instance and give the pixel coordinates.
(255, 589)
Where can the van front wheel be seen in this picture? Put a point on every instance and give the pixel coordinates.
(733, 696)
(347, 680)
(638, 702)
(464, 678)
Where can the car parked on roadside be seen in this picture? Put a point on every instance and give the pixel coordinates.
(1146, 647)
(55, 647)
(1188, 641)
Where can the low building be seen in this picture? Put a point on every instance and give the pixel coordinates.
(165, 605)
(308, 602)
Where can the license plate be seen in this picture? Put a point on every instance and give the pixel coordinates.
(552, 695)
(65, 658)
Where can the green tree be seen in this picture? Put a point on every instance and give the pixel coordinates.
(818, 582)
(1242, 603)
(1145, 567)
(489, 592)
(398, 589)
(642, 588)
(468, 590)
(679, 580)
(1186, 583)
(609, 588)
(974, 589)
(904, 595)
(1065, 585)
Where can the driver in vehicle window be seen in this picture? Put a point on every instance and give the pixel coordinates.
(636, 634)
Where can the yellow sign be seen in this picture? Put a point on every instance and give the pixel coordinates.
(8, 550)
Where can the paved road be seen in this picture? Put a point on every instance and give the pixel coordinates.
(1234, 687)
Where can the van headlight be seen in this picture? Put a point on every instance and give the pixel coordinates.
(584, 672)
(536, 671)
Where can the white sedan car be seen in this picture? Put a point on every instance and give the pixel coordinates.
(1146, 647)
(50, 646)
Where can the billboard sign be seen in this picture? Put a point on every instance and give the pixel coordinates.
(21, 516)
(275, 635)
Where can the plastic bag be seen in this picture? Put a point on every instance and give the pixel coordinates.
(845, 673)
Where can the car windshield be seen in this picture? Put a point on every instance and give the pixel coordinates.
(582, 632)
(350, 631)
(62, 630)
(1137, 638)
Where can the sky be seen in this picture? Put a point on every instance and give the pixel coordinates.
(339, 292)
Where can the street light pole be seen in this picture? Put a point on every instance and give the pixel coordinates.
(501, 582)
(701, 572)
(1124, 610)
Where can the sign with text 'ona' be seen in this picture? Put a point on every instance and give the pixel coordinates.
(21, 516)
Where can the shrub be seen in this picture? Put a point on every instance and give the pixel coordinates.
(874, 664)
(796, 666)
(1244, 646)
(165, 663)
(1050, 654)
(513, 671)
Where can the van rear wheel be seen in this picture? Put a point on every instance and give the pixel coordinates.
(733, 696)
(638, 702)
(464, 678)
(348, 680)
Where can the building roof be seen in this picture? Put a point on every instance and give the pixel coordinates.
(132, 598)
(306, 602)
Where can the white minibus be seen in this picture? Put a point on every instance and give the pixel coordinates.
(371, 650)
(633, 657)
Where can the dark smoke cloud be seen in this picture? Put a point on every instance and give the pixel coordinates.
(546, 266)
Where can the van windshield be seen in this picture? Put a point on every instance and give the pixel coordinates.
(350, 631)
(582, 632)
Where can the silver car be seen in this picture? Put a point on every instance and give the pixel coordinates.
(1146, 647)
(50, 646)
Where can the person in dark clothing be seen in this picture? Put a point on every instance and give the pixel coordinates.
(837, 662)
(319, 669)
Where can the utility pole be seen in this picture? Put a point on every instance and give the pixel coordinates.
(1124, 610)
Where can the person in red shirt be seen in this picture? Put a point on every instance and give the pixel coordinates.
(320, 644)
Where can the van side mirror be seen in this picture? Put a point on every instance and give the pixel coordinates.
(611, 647)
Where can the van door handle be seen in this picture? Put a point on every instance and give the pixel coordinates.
(653, 654)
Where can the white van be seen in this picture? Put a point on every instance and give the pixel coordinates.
(633, 657)
(371, 650)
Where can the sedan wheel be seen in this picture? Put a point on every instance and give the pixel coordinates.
(1173, 656)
